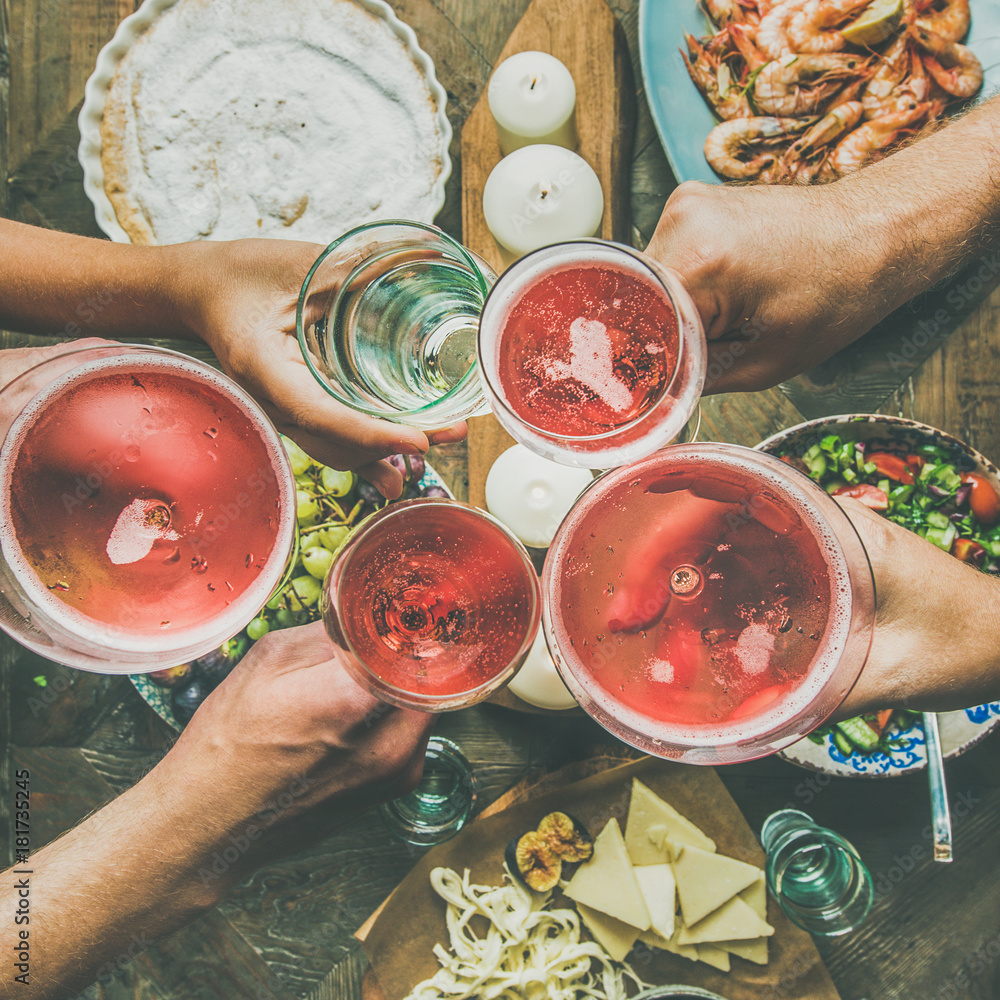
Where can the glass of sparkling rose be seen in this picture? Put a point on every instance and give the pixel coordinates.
(592, 354)
(708, 604)
(437, 601)
(147, 509)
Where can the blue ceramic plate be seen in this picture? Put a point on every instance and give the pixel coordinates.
(158, 698)
(682, 116)
(959, 730)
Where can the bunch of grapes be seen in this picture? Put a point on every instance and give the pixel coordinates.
(329, 506)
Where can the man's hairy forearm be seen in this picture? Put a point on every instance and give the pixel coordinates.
(59, 284)
(931, 207)
(110, 887)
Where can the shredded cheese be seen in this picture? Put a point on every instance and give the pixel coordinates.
(529, 951)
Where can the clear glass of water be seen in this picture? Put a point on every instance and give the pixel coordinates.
(442, 802)
(387, 320)
(815, 874)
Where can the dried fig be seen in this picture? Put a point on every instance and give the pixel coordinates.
(566, 837)
(530, 858)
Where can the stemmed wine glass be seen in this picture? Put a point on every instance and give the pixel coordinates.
(439, 604)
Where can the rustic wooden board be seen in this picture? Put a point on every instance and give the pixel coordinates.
(586, 37)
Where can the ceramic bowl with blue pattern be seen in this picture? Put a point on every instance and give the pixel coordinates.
(959, 730)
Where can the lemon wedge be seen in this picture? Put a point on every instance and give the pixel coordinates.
(875, 23)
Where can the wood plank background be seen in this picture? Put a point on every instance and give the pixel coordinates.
(287, 932)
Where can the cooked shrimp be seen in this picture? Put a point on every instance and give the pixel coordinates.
(893, 65)
(726, 12)
(743, 147)
(813, 28)
(830, 127)
(772, 38)
(854, 151)
(796, 85)
(742, 38)
(704, 69)
(722, 11)
(952, 22)
(952, 64)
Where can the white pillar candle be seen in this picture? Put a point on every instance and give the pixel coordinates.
(532, 98)
(538, 682)
(541, 195)
(531, 495)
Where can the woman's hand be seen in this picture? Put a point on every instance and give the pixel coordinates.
(240, 298)
(936, 643)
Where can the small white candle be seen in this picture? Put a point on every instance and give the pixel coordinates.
(541, 195)
(532, 98)
(538, 682)
(531, 495)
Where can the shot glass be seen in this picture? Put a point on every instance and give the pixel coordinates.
(387, 320)
(442, 802)
(817, 877)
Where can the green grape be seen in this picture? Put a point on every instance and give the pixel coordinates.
(275, 602)
(316, 560)
(297, 458)
(258, 628)
(303, 592)
(339, 484)
(307, 509)
(284, 618)
(333, 537)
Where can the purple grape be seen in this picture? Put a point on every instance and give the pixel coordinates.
(410, 492)
(368, 493)
(409, 466)
(435, 491)
(185, 700)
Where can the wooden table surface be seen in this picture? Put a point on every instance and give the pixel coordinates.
(287, 932)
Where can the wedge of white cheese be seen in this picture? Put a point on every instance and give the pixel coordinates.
(705, 881)
(656, 883)
(713, 956)
(614, 936)
(656, 940)
(733, 921)
(651, 822)
(752, 951)
(606, 882)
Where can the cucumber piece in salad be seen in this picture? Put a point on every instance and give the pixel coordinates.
(929, 490)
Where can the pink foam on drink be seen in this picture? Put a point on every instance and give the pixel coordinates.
(592, 364)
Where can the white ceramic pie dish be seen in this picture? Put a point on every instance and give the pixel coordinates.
(96, 90)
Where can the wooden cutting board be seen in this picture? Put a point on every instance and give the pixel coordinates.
(584, 35)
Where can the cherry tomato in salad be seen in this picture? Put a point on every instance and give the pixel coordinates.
(916, 462)
(968, 551)
(983, 498)
(870, 496)
(891, 467)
